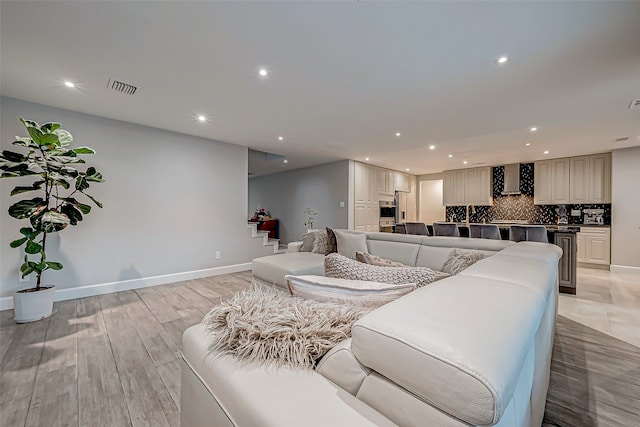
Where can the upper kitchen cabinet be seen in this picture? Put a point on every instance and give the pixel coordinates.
(579, 185)
(551, 182)
(386, 182)
(600, 178)
(402, 182)
(366, 183)
(468, 187)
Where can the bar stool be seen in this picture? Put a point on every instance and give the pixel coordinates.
(530, 233)
(485, 231)
(446, 229)
(419, 228)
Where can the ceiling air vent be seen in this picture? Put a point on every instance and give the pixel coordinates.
(635, 104)
(122, 87)
(623, 139)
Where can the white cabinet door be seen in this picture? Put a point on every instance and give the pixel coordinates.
(412, 208)
(448, 185)
(579, 181)
(459, 178)
(600, 178)
(373, 217)
(560, 176)
(471, 189)
(581, 253)
(391, 182)
(402, 182)
(485, 186)
(361, 193)
(598, 249)
(372, 185)
(360, 217)
(542, 183)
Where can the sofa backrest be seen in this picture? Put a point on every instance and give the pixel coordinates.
(426, 251)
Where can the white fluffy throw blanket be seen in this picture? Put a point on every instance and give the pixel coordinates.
(268, 326)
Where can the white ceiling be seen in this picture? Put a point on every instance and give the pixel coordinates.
(344, 76)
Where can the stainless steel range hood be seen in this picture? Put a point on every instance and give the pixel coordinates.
(511, 180)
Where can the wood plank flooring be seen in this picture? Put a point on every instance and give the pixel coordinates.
(113, 360)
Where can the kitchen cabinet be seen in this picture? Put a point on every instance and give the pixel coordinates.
(594, 245)
(366, 183)
(551, 182)
(386, 182)
(366, 217)
(412, 206)
(591, 179)
(468, 187)
(402, 182)
(567, 264)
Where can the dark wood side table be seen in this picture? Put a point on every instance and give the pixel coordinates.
(272, 226)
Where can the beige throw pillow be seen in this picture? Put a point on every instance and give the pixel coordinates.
(349, 244)
(460, 259)
(376, 260)
(321, 243)
(335, 290)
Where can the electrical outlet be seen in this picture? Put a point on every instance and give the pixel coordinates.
(218, 255)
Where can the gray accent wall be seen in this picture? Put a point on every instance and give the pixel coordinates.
(170, 202)
(287, 194)
(625, 207)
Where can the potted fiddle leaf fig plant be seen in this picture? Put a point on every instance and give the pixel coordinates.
(58, 184)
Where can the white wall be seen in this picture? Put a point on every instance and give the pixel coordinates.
(170, 202)
(625, 208)
(287, 194)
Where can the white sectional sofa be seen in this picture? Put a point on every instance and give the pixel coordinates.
(472, 349)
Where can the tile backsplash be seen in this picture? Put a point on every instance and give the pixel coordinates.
(520, 207)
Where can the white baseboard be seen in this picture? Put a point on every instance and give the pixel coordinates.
(625, 269)
(6, 303)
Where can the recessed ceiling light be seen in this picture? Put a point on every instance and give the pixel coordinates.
(527, 144)
(432, 147)
(286, 161)
(202, 118)
(366, 158)
(450, 155)
(503, 59)
(533, 129)
(280, 138)
(69, 84)
(407, 169)
(397, 133)
(546, 152)
(465, 162)
(263, 72)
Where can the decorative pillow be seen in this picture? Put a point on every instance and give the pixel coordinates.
(336, 265)
(333, 243)
(331, 289)
(269, 327)
(440, 275)
(349, 244)
(321, 243)
(307, 241)
(376, 260)
(459, 259)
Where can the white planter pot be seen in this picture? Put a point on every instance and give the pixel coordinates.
(33, 306)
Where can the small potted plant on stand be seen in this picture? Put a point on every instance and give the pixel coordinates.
(49, 161)
(311, 214)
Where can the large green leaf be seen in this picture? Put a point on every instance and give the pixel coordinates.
(93, 175)
(32, 247)
(53, 221)
(72, 213)
(54, 265)
(64, 137)
(84, 150)
(62, 183)
(50, 139)
(35, 134)
(27, 123)
(29, 232)
(50, 127)
(26, 208)
(12, 156)
(18, 243)
(23, 189)
(81, 183)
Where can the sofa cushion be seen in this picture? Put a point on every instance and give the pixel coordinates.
(336, 265)
(468, 363)
(376, 260)
(403, 252)
(332, 289)
(349, 243)
(340, 366)
(460, 259)
(272, 269)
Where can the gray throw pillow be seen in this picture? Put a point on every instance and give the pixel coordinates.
(321, 243)
(307, 241)
(460, 259)
(349, 243)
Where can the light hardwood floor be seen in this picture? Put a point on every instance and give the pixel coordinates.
(112, 360)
